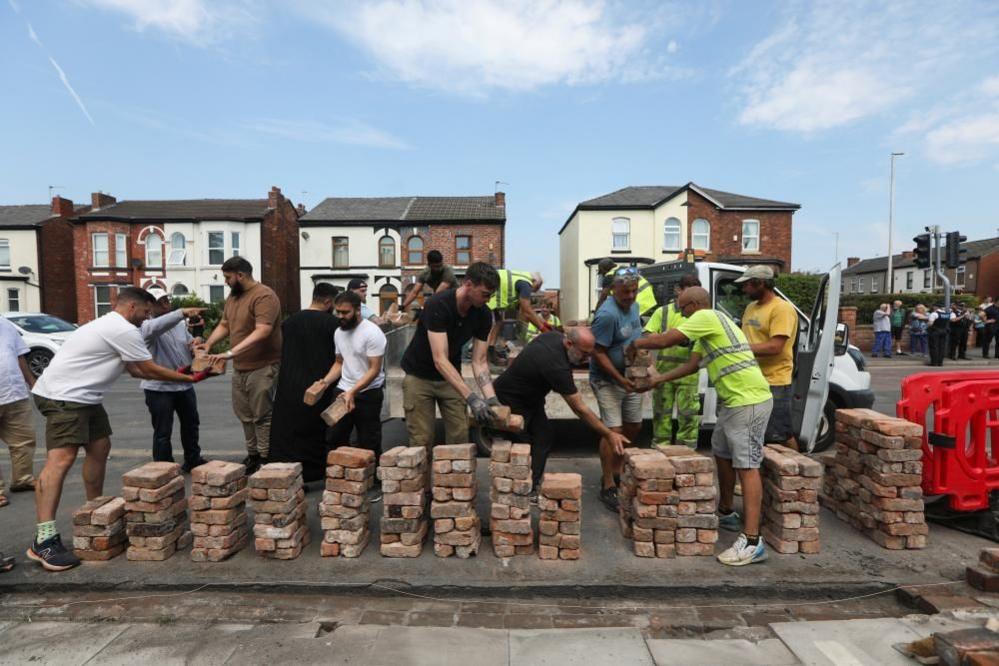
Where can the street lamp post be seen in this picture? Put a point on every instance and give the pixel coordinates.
(891, 220)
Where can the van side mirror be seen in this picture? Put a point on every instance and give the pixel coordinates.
(842, 338)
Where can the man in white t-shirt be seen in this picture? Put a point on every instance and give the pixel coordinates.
(360, 347)
(69, 395)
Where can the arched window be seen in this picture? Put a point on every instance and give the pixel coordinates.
(700, 235)
(180, 290)
(387, 295)
(414, 250)
(154, 251)
(386, 252)
(671, 235)
(620, 234)
(178, 250)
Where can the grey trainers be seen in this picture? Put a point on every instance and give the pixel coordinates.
(731, 522)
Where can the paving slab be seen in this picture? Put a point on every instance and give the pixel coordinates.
(180, 644)
(692, 652)
(847, 642)
(374, 645)
(582, 647)
(56, 642)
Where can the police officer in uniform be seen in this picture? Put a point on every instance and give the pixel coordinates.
(939, 322)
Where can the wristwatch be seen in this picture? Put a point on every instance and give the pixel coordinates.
(229, 354)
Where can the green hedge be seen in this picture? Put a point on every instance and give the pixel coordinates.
(866, 304)
(212, 315)
(801, 288)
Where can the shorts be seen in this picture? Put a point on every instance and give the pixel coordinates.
(896, 333)
(779, 428)
(72, 423)
(617, 406)
(738, 434)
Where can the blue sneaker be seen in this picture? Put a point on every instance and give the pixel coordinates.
(741, 553)
(731, 521)
(52, 555)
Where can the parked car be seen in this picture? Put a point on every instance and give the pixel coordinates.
(43, 333)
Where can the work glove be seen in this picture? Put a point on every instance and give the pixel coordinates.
(493, 402)
(546, 327)
(185, 370)
(480, 409)
(200, 376)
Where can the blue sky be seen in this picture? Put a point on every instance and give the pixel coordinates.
(561, 99)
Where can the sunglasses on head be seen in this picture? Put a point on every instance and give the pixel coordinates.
(627, 270)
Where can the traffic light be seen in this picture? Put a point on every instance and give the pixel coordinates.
(955, 253)
(922, 250)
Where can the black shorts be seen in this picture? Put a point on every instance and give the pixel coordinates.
(896, 333)
(779, 427)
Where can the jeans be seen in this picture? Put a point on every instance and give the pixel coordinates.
(162, 405)
(882, 343)
(917, 343)
(366, 417)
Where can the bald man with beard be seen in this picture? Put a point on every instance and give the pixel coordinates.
(543, 366)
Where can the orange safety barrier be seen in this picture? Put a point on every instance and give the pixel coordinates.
(961, 438)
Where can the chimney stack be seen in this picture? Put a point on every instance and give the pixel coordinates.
(274, 197)
(62, 207)
(908, 254)
(852, 261)
(501, 200)
(301, 209)
(100, 200)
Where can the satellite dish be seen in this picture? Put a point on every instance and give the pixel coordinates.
(136, 263)
(24, 270)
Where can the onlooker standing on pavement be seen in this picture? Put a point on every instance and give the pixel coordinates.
(882, 331)
(979, 325)
(938, 324)
(250, 320)
(745, 404)
(69, 395)
(917, 331)
(615, 324)
(360, 348)
(991, 333)
(169, 341)
(17, 421)
(897, 325)
(960, 326)
(771, 326)
(437, 275)
(432, 360)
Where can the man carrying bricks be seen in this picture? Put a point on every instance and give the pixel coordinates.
(737, 440)
(433, 360)
(69, 396)
(437, 275)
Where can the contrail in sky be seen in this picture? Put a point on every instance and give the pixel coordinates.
(62, 75)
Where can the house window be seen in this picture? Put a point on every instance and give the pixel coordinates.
(121, 250)
(216, 248)
(620, 234)
(701, 234)
(154, 251)
(414, 250)
(863, 285)
(341, 256)
(908, 280)
(386, 252)
(180, 289)
(100, 245)
(874, 284)
(102, 298)
(13, 300)
(463, 250)
(959, 276)
(671, 235)
(853, 285)
(751, 236)
(234, 238)
(216, 293)
(926, 279)
(178, 250)
(4, 254)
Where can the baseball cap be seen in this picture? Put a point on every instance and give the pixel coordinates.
(356, 283)
(756, 273)
(157, 292)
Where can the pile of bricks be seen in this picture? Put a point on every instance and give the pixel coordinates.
(510, 492)
(156, 511)
(791, 484)
(560, 504)
(218, 510)
(99, 529)
(874, 480)
(985, 575)
(697, 510)
(403, 472)
(640, 370)
(344, 510)
(457, 528)
(280, 527)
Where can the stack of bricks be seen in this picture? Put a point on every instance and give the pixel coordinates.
(510, 493)
(640, 371)
(344, 510)
(697, 510)
(874, 480)
(791, 483)
(280, 526)
(984, 576)
(403, 472)
(457, 528)
(647, 503)
(156, 511)
(218, 510)
(99, 529)
(560, 504)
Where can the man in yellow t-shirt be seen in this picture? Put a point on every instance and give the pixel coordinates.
(737, 440)
(771, 325)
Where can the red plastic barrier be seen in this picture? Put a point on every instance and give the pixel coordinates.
(958, 458)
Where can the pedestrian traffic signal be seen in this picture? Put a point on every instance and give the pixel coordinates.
(955, 253)
(922, 250)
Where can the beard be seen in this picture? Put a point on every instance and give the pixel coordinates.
(575, 356)
(236, 289)
(348, 324)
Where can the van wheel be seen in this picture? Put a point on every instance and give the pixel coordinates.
(827, 428)
(38, 360)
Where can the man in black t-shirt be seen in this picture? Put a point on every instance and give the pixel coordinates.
(433, 360)
(543, 366)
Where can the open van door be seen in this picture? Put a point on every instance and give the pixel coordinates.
(813, 361)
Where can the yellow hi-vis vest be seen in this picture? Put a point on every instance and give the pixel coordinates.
(646, 298)
(506, 295)
(663, 319)
(532, 330)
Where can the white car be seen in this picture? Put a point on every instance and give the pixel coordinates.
(43, 333)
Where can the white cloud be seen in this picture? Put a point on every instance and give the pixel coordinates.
(351, 132)
(196, 21)
(831, 63)
(672, 46)
(472, 46)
